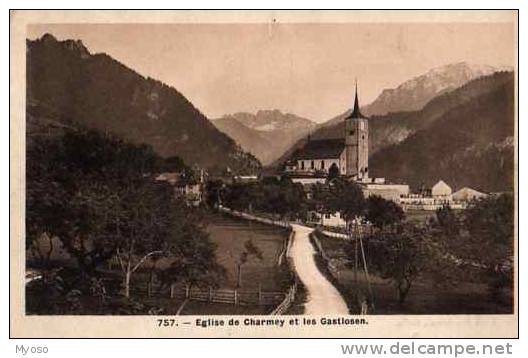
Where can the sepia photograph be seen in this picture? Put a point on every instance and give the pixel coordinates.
(267, 170)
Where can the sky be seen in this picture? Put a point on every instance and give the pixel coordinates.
(303, 68)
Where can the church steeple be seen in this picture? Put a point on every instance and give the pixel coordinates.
(356, 142)
(356, 113)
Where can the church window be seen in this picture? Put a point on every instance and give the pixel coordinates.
(322, 164)
(363, 137)
(302, 165)
(351, 132)
(312, 164)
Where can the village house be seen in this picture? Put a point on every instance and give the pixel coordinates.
(189, 189)
(438, 196)
(441, 190)
(467, 194)
(326, 219)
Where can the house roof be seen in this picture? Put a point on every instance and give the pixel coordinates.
(441, 186)
(468, 192)
(321, 149)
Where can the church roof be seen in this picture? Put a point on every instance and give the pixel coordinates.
(356, 112)
(321, 149)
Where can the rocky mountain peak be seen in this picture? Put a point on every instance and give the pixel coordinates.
(414, 93)
(75, 46)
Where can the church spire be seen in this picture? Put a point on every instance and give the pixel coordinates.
(356, 113)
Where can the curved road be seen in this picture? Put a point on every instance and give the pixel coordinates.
(322, 296)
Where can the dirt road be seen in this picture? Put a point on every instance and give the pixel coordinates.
(322, 296)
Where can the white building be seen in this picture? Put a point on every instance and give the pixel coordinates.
(438, 196)
(190, 190)
(441, 189)
(326, 219)
(387, 191)
(468, 194)
(308, 180)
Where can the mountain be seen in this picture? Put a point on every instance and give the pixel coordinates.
(395, 127)
(249, 139)
(471, 144)
(67, 85)
(272, 120)
(267, 133)
(413, 94)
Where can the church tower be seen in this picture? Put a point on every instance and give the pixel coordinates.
(356, 142)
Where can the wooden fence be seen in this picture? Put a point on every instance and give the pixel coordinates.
(286, 303)
(210, 294)
(285, 250)
(334, 271)
(243, 215)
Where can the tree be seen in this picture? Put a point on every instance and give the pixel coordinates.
(143, 227)
(105, 178)
(400, 257)
(43, 197)
(97, 195)
(280, 197)
(173, 164)
(250, 250)
(213, 192)
(381, 212)
(483, 244)
(333, 172)
(344, 197)
(238, 196)
(193, 259)
(66, 199)
(491, 221)
(290, 199)
(447, 221)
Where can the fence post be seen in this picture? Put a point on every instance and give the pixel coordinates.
(172, 290)
(259, 294)
(236, 297)
(187, 291)
(149, 289)
(210, 293)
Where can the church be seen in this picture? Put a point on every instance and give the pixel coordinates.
(347, 156)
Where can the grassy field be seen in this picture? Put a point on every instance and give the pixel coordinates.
(231, 235)
(425, 297)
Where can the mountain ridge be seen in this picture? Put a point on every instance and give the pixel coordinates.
(395, 127)
(415, 93)
(471, 145)
(100, 92)
(266, 133)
